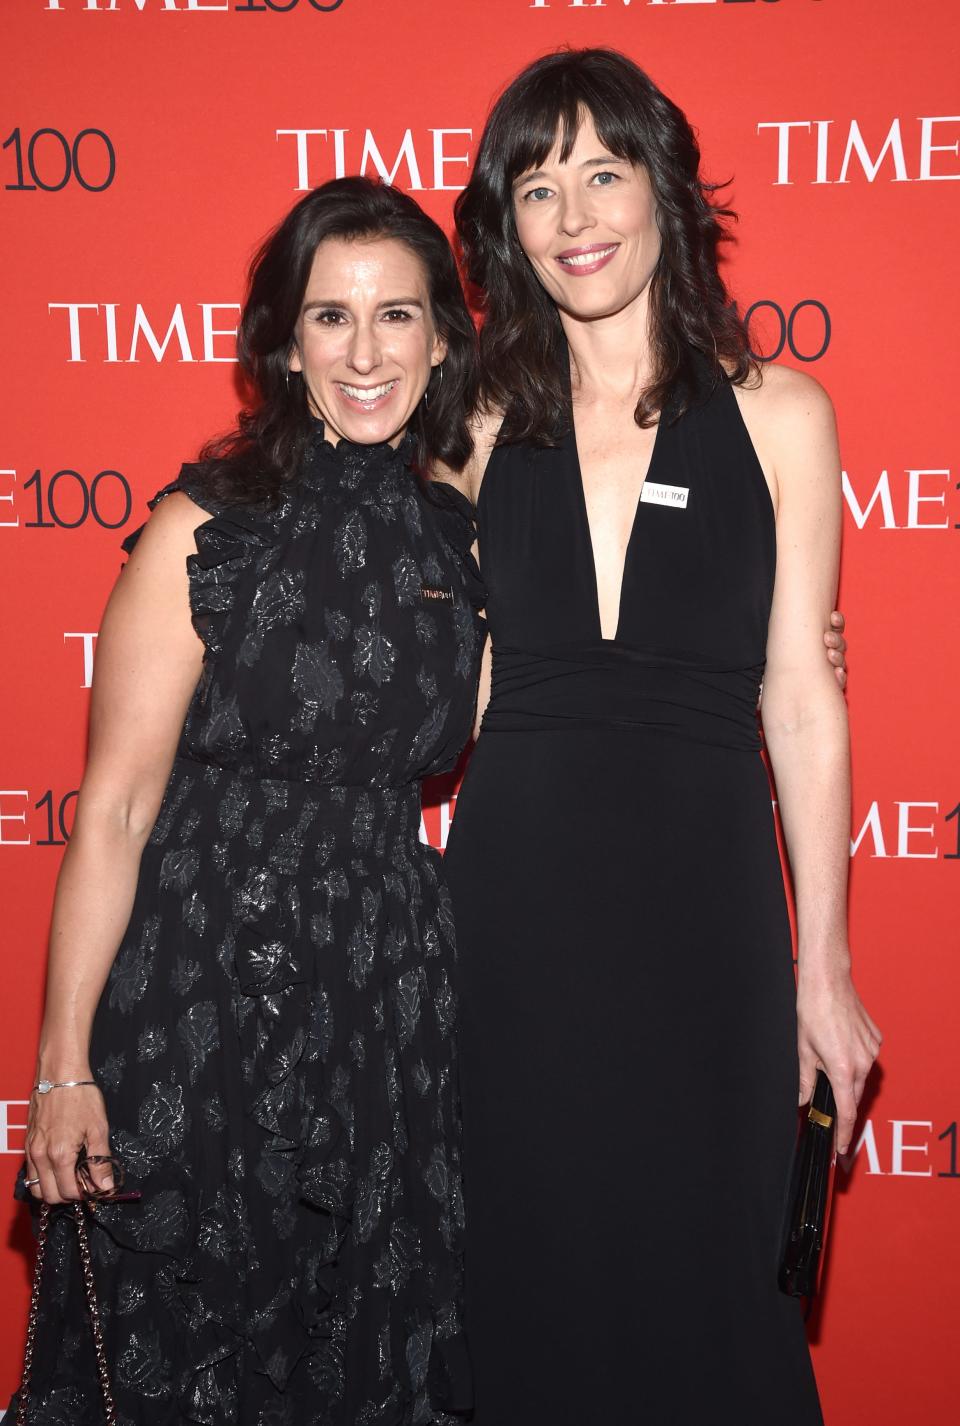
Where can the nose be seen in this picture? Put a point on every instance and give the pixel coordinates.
(575, 215)
(364, 353)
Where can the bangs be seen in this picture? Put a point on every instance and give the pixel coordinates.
(554, 110)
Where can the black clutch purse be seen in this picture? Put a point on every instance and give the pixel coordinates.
(805, 1228)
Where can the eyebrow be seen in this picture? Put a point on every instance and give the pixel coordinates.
(339, 302)
(587, 163)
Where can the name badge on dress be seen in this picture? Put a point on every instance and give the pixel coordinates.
(675, 495)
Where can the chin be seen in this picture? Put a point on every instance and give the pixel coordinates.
(593, 307)
(371, 431)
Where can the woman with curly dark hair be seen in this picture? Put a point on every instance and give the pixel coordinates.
(250, 997)
(659, 525)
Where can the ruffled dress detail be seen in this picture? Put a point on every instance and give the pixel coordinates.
(276, 1040)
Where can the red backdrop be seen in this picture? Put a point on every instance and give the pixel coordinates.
(147, 145)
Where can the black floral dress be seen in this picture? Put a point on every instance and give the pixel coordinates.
(276, 1038)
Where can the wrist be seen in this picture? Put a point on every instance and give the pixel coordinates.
(823, 965)
(62, 1061)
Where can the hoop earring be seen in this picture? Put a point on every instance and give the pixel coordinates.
(286, 379)
(426, 399)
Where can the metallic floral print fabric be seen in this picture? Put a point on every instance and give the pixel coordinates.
(276, 1038)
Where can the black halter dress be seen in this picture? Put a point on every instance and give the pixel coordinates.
(629, 1041)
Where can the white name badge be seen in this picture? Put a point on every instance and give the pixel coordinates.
(675, 495)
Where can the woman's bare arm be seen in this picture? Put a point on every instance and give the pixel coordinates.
(484, 428)
(148, 664)
(805, 727)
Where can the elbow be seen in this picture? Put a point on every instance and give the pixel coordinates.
(804, 720)
(123, 817)
(794, 700)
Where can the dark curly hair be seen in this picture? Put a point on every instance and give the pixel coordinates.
(252, 462)
(524, 359)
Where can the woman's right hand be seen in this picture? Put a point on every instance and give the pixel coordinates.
(62, 1125)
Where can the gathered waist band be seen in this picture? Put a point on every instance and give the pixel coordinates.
(356, 816)
(615, 686)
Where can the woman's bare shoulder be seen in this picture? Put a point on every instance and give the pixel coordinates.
(790, 420)
(484, 428)
(778, 393)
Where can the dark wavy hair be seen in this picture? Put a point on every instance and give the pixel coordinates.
(524, 357)
(252, 462)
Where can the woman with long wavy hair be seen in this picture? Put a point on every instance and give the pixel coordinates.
(659, 526)
(250, 1003)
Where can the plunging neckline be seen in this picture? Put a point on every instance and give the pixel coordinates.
(585, 516)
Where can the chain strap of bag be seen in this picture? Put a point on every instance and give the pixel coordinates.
(78, 1213)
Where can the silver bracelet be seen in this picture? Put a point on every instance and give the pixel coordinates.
(45, 1085)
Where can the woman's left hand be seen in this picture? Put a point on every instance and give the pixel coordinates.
(837, 646)
(835, 1034)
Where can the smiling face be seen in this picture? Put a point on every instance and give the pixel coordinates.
(588, 227)
(365, 341)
